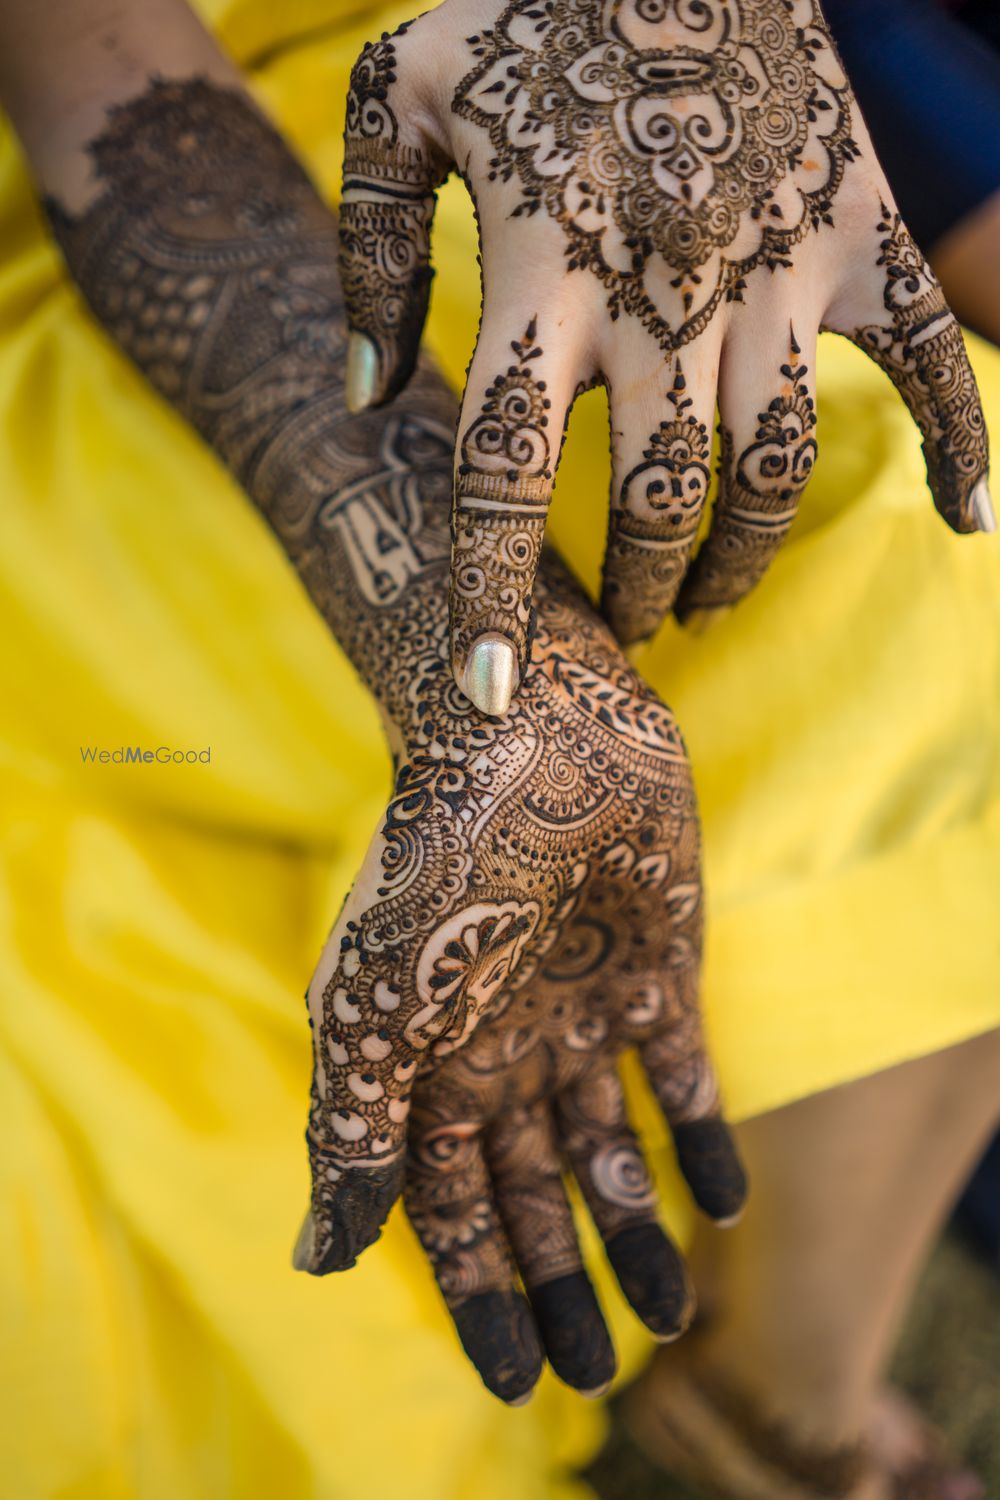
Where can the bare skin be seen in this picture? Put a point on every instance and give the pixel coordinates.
(857, 1182)
(967, 263)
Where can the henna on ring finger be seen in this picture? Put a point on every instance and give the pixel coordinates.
(608, 1163)
(450, 1202)
(526, 1169)
(764, 466)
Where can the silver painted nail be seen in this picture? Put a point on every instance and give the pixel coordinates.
(491, 675)
(361, 377)
(982, 506)
(305, 1245)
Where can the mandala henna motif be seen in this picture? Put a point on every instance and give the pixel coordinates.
(922, 352)
(502, 490)
(654, 521)
(679, 144)
(759, 492)
(385, 217)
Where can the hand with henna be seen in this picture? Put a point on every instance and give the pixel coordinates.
(536, 1090)
(205, 252)
(673, 197)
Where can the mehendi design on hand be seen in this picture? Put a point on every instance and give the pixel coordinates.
(759, 492)
(502, 490)
(679, 144)
(211, 260)
(654, 521)
(922, 351)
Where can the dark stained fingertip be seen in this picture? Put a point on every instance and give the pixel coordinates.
(347, 1216)
(574, 1332)
(653, 1277)
(498, 1334)
(712, 1168)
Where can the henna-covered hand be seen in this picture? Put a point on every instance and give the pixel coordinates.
(536, 1090)
(210, 259)
(670, 193)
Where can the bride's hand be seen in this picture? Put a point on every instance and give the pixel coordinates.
(673, 197)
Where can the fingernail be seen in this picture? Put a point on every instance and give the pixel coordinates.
(699, 620)
(302, 1255)
(361, 375)
(731, 1221)
(522, 1400)
(491, 675)
(596, 1392)
(982, 507)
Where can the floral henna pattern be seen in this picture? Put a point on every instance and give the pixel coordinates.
(385, 218)
(759, 493)
(208, 256)
(922, 352)
(679, 144)
(502, 490)
(654, 521)
(537, 1084)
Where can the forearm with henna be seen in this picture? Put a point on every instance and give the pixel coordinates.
(210, 259)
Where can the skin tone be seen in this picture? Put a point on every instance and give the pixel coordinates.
(669, 196)
(802, 1323)
(560, 839)
(965, 260)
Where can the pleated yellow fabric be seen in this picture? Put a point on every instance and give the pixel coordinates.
(158, 923)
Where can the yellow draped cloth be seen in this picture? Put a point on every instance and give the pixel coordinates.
(158, 922)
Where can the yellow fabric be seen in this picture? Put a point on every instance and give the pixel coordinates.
(158, 923)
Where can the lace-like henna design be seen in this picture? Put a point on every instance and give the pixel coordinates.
(922, 352)
(537, 1083)
(211, 261)
(759, 492)
(502, 490)
(654, 522)
(679, 144)
(385, 219)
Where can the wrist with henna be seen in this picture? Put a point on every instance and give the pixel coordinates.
(211, 261)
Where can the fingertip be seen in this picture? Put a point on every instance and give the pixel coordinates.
(346, 1216)
(712, 1167)
(654, 1279)
(498, 1333)
(575, 1335)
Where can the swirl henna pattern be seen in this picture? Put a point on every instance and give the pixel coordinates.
(502, 490)
(653, 178)
(385, 235)
(538, 1084)
(922, 352)
(210, 259)
(759, 492)
(655, 520)
(679, 144)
